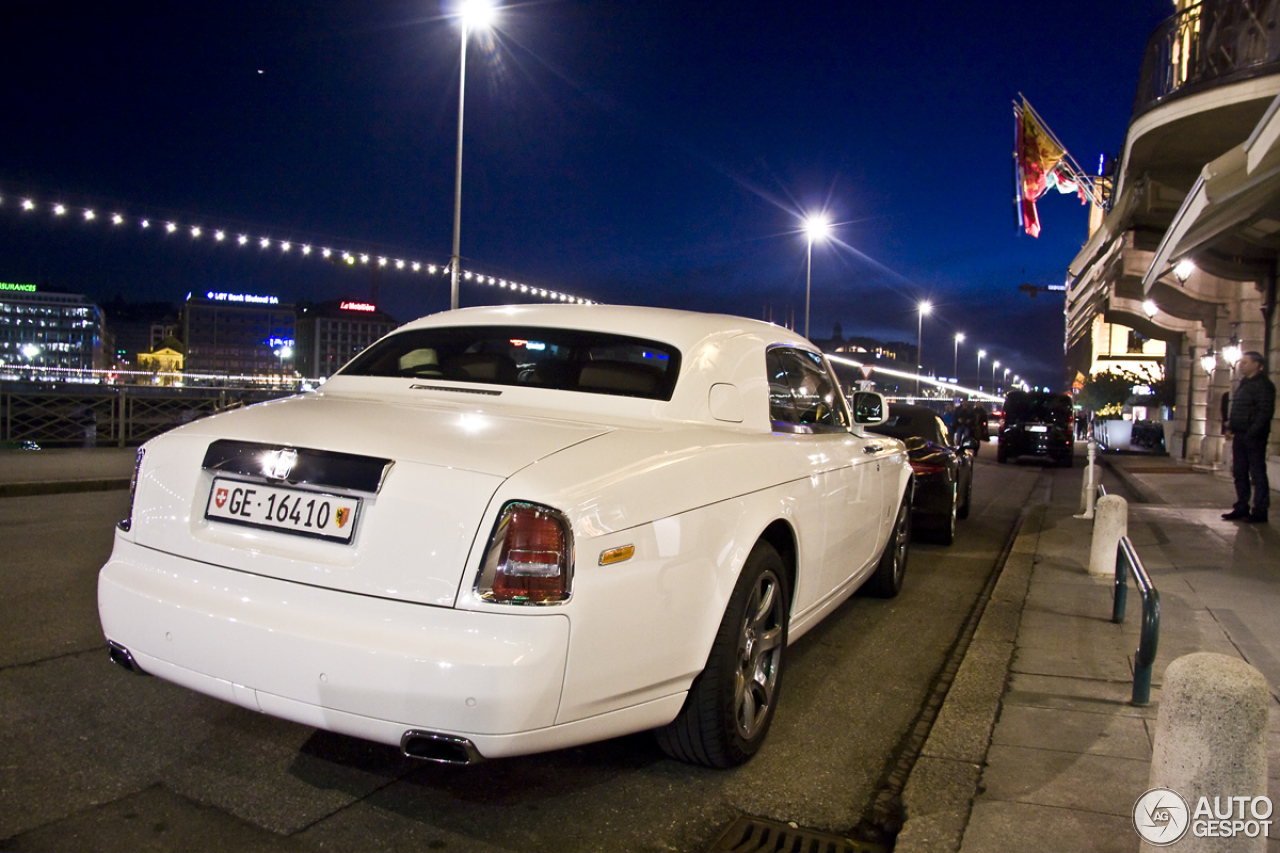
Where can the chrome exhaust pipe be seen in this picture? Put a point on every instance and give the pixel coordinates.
(440, 748)
(122, 657)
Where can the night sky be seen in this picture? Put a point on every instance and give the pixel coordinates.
(646, 152)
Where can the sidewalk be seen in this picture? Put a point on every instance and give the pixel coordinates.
(45, 472)
(1037, 746)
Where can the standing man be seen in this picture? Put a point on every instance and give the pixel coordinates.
(1248, 425)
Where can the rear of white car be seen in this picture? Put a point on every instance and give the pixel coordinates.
(470, 567)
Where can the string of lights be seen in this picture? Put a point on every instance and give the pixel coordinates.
(29, 205)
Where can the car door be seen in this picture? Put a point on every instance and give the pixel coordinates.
(837, 492)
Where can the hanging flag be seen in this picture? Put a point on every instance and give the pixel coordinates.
(1037, 156)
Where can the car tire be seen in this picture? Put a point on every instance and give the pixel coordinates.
(945, 533)
(886, 581)
(963, 511)
(730, 705)
(1001, 456)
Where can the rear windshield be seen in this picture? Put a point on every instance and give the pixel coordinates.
(565, 359)
(1038, 408)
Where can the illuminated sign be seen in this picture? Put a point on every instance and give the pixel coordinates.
(243, 298)
(279, 342)
(357, 306)
(21, 288)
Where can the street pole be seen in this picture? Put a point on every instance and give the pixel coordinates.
(454, 260)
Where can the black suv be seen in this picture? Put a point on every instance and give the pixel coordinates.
(1038, 423)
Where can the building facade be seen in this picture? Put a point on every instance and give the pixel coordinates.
(238, 334)
(49, 330)
(331, 333)
(1186, 249)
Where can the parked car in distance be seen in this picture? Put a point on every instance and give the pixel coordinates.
(1039, 424)
(943, 464)
(512, 529)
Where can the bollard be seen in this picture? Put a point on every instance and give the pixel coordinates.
(1110, 523)
(1089, 491)
(1211, 742)
(1092, 477)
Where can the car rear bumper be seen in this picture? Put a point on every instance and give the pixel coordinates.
(368, 667)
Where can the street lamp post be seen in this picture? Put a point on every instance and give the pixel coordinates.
(955, 365)
(923, 308)
(1006, 377)
(977, 373)
(815, 228)
(994, 365)
(473, 14)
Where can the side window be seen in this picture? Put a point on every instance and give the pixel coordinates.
(802, 394)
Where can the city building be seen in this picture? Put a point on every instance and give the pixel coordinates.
(165, 360)
(238, 334)
(331, 333)
(137, 327)
(1185, 249)
(46, 329)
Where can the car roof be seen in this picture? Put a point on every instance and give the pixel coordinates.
(682, 329)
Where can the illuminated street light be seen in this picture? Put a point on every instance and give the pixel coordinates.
(955, 365)
(1184, 269)
(816, 227)
(1150, 308)
(977, 374)
(994, 365)
(1209, 360)
(923, 308)
(474, 14)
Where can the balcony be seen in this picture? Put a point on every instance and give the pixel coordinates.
(1206, 78)
(1209, 44)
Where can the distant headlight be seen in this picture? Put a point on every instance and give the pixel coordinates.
(530, 557)
(126, 523)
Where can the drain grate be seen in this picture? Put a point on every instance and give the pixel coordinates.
(756, 835)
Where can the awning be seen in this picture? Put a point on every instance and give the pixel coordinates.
(1230, 190)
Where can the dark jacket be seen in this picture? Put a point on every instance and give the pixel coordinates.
(1252, 407)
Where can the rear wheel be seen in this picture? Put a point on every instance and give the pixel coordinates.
(945, 534)
(886, 581)
(730, 705)
(963, 511)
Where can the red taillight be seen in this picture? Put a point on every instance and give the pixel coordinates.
(126, 523)
(927, 468)
(530, 557)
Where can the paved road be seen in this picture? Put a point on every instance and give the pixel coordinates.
(96, 759)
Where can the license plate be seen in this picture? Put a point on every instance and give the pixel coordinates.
(1038, 428)
(288, 510)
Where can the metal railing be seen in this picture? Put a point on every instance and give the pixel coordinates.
(1210, 44)
(1127, 562)
(112, 416)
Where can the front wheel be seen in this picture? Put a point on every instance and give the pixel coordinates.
(730, 705)
(886, 581)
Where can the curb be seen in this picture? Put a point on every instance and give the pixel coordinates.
(61, 487)
(939, 793)
(1140, 490)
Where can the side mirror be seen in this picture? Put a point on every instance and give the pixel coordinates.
(869, 408)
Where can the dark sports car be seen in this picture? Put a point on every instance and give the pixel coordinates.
(943, 465)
